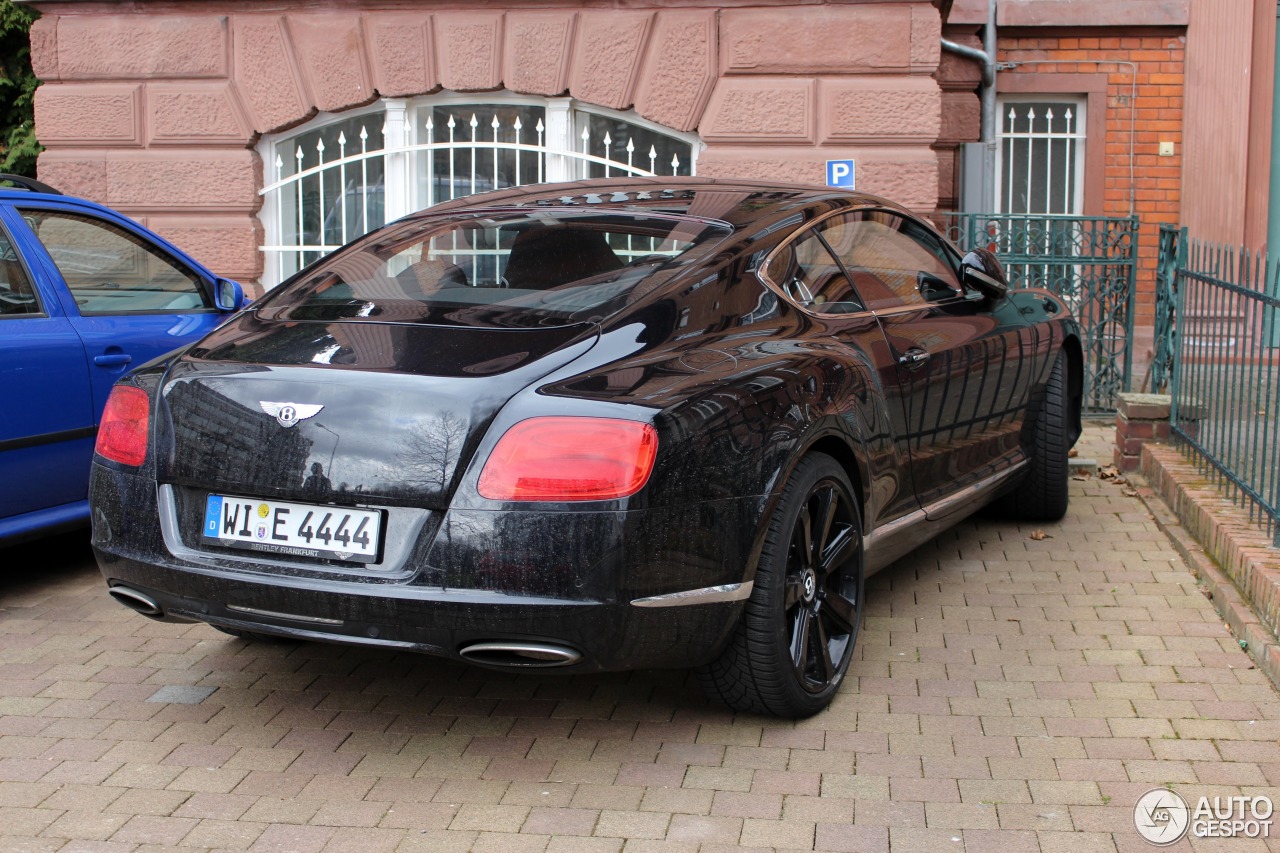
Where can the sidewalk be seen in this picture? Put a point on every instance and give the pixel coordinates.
(1018, 688)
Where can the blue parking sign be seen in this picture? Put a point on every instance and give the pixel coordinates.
(840, 174)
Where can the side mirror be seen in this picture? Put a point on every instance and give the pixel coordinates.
(981, 270)
(228, 295)
(934, 289)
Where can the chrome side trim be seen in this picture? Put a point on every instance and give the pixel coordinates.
(292, 617)
(706, 595)
(893, 539)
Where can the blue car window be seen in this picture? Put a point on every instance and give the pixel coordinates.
(110, 270)
(17, 296)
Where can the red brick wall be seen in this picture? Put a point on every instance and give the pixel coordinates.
(1152, 101)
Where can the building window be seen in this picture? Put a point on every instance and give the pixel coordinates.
(1041, 155)
(340, 176)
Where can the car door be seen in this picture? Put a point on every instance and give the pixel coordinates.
(806, 271)
(128, 297)
(964, 363)
(47, 426)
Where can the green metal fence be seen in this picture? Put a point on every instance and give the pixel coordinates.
(1090, 261)
(1217, 342)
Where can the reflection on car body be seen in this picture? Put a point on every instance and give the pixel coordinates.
(604, 425)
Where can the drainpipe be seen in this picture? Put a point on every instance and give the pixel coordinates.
(986, 56)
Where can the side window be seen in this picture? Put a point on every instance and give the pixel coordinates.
(112, 271)
(894, 261)
(805, 270)
(17, 296)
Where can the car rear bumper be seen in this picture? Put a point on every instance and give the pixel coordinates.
(465, 590)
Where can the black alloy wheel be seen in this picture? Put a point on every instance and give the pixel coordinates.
(799, 628)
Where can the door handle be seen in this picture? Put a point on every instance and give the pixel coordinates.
(913, 359)
(112, 359)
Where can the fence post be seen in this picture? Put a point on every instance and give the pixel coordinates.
(1172, 244)
(1177, 314)
(1127, 379)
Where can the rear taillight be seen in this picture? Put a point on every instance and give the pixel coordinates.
(122, 433)
(570, 459)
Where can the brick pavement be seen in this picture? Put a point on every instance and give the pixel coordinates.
(1013, 693)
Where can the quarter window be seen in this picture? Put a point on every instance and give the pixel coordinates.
(17, 296)
(805, 270)
(110, 270)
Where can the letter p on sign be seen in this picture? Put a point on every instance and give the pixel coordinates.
(840, 174)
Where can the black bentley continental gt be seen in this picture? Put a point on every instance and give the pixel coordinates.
(617, 424)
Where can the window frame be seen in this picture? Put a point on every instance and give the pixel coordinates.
(951, 257)
(1093, 89)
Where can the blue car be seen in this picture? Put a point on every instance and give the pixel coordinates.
(85, 295)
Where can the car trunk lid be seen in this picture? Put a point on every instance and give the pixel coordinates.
(347, 412)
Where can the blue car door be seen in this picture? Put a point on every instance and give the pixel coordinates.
(47, 419)
(128, 297)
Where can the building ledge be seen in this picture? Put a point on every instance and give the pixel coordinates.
(1075, 13)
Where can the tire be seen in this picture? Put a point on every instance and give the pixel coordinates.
(1042, 494)
(797, 633)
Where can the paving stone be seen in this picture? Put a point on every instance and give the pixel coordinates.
(1008, 695)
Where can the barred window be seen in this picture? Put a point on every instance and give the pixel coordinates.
(1042, 142)
(340, 176)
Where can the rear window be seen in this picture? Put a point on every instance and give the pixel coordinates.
(518, 269)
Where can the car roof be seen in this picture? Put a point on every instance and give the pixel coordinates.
(738, 202)
(25, 186)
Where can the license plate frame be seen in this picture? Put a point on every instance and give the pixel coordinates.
(280, 527)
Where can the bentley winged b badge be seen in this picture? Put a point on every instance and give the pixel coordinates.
(288, 414)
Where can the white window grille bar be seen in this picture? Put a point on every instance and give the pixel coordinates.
(320, 217)
(542, 161)
(495, 125)
(298, 186)
(453, 169)
(431, 159)
(586, 152)
(1048, 163)
(474, 140)
(608, 150)
(1067, 196)
(1013, 118)
(275, 213)
(364, 176)
(342, 181)
(1031, 118)
(518, 126)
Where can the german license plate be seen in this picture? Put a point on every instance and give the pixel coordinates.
(302, 530)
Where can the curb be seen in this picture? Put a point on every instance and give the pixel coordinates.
(1159, 464)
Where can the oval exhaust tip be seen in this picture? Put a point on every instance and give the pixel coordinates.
(136, 601)
(507, 653)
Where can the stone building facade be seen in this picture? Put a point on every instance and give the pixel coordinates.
(162, 110)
